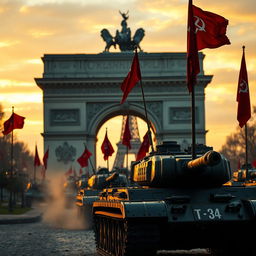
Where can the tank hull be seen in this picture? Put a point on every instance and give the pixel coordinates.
(140, 221)
(84, 202)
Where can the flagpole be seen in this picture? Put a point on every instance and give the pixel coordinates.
(93, 169)
(127, 120)
(127, 157)
(246, 143)
(11, 174)
(108, 156)
(246, 152)
(193, 144)
(35, 168)
(146, 113)
(12, 143)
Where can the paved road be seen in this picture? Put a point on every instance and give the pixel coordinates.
(42, 239)
(60, 233)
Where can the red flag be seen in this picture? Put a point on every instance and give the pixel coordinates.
(144, 147)
(37, 161)
(45, 158)
(133, 77)
(243, 96)
(210, 29)
(83, 159)
(106, 147)
(14, 122)
(193, 67)
(127, 134)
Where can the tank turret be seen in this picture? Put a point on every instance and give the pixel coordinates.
(182, 203)
(96, 183)
(100, 181)
(170, 167)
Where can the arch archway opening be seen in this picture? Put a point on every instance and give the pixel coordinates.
(114, 130)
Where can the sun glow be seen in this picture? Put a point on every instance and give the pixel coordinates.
(8, 43)
(18, 98)
(40, 33)
(32, 28)
(10, 83)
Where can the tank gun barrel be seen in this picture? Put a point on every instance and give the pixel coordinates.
(165, 169)
(112, 177)
(210, 158)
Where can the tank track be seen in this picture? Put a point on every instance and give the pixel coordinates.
(119, 237)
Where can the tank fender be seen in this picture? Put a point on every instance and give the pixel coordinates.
(251, 204)
(145, 209)
(89, 199)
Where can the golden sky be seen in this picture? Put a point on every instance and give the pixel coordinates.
(31, 28)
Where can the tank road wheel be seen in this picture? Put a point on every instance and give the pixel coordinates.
(120, 238)
(88, 217)
(109, 236)
(117, 237)
(143, 238)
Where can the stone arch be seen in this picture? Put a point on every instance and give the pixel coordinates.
(116, 109)
(82, 91)
(113, 110)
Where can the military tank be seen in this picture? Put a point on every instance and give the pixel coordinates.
(245, 176)
(179, 203)
(36, 192)
(70, 190)
(89, 193)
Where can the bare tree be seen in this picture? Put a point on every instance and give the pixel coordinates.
(234, 148)
(23, 158)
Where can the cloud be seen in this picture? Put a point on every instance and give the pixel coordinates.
(33, 28)
(17, 98)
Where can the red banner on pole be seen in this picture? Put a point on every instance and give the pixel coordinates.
(83, 159)
(106, 147)
(37, 161)
(144, 148)
(127, 134)
(193, 67)
(45, 158)
(210, 29)
(133, 77)
(14, 122)
(243, 95)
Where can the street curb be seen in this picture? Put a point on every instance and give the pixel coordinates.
(21, 220)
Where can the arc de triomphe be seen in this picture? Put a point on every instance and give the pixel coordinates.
(82, 91)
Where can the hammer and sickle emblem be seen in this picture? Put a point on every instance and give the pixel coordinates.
(243, 87)
(199, 24)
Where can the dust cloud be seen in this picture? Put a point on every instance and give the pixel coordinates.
(60, 209)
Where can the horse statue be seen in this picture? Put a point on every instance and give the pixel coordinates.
(138, 36)
(123, 37)
(108, 39)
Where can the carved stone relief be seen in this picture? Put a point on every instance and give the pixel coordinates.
(65, 153)
(59, 117)
(179, 115)
(156, 108)
(93, 109)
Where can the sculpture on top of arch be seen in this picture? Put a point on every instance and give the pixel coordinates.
(123, 38)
